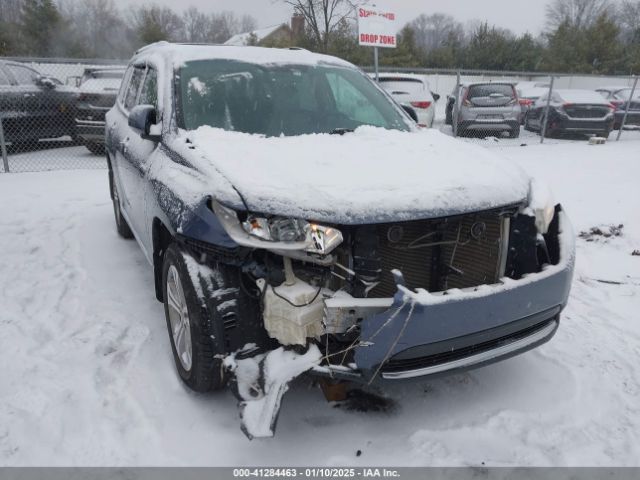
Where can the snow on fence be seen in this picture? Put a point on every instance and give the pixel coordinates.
(39, 118)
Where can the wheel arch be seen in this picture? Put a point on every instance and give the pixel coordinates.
(161, 238)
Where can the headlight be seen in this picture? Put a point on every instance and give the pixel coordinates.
(315, 238)
(278, 233)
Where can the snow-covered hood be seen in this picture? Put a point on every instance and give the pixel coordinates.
(371, 175)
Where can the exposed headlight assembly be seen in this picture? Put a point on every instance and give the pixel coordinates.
(544, 217)
(278, 233)
(543, 206)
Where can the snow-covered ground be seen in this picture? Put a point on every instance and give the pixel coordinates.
(88, 377)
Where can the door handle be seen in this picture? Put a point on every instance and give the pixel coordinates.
(29, 95)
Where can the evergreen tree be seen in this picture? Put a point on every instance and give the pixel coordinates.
(406, 53)
(566, 50)
(603, 50)
(39, 24)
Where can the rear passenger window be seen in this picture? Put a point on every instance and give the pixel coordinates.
(134, 86)
(149, 93)
(23, 75)
(3, 79)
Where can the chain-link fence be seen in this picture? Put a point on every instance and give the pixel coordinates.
(52, 112)
(501, 105)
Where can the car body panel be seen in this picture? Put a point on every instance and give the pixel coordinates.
(619, 96)
(35, 111)
(562, 118)
(97, 94)
(164, 182)
(411, 90)
(484, 113)
(438, 319)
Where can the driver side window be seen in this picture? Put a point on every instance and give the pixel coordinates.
(131, 97)
(149, 93)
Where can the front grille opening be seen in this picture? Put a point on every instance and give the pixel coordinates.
(440, 254)
(448, 355)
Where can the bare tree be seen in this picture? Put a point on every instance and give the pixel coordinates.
(629, 19)
(10, 10)
(222, 26)
(248, 24)
(576, 13)
(196, 25)
(323, 16)
(433, 31)
(97, 27)
(153, 23)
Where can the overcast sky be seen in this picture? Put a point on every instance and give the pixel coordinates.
(518, 15)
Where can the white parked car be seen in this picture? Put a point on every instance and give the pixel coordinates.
(412, 90)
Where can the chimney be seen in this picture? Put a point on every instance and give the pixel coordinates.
(297, 26)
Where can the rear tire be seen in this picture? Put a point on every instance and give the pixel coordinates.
(95, 148)
(461, 131)
(514, 132)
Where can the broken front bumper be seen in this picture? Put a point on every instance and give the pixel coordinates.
(418, 334)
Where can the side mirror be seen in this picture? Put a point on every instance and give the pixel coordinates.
(46, 82)
(411, 112)
(435, 96)
(141, 119)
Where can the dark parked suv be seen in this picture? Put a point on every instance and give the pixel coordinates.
(296, 218)
(34, 106)
(97, 94)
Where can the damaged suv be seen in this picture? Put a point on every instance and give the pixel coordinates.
(297, 220)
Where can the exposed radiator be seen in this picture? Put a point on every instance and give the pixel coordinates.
(453, 252)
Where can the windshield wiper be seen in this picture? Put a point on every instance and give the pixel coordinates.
(340, 131)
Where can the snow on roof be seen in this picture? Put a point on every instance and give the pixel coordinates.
(581, 96)
(178, 54)
(243, 39)
(410, 76)
(614, 88)
(468, 83)
(533, 92)
(531, 84)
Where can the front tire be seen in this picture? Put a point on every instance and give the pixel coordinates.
(197, 308)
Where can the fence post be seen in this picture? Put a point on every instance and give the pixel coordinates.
(626, 112)
(3, 148)
(543, 130)
(454, 114)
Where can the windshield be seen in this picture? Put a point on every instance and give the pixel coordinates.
(276, 100)
(625, 94)
(488, 90)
